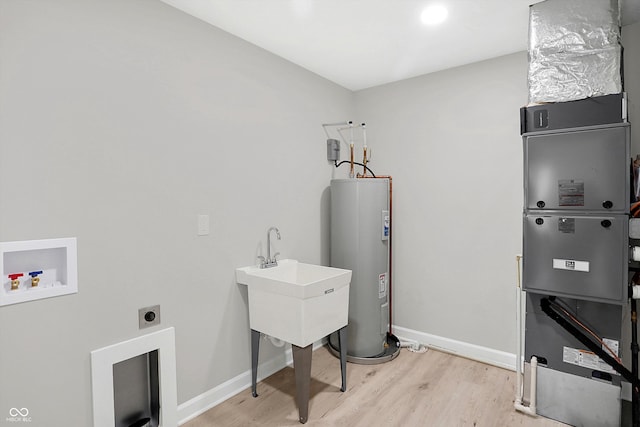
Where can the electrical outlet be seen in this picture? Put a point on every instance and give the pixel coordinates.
(149, 316)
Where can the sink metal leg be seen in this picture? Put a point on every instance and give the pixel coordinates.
(342, 343)
(255, 348)
(302, 369)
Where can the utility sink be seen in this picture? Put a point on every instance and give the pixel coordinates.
(296, 302)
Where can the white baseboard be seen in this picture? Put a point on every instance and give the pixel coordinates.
(491, 356)
(207, 400)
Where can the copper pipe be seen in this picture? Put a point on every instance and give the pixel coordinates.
(390, 235)
(351, 173)
(364, 149)
(364, 163)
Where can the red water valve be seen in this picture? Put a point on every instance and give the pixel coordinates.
(15, 283)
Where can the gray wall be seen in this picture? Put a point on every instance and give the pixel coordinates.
(631, 43)
(120, 122)
(452, 142)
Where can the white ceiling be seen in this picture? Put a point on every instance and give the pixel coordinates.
(365, 43)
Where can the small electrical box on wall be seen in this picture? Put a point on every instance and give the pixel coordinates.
(333, 150)
(36, 269)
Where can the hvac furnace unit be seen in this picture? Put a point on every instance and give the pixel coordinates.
(575, 247)
(360, 227)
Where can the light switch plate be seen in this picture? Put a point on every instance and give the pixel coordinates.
(203, 225)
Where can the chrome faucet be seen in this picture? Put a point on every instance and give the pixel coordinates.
(270, 262)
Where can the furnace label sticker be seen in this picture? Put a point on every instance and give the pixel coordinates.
(571, 265)
(585, 359)
(570, 192)
(567, 225)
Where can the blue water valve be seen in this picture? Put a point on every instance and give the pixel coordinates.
(34, 277)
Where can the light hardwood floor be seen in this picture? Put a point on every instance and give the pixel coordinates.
(430, 389)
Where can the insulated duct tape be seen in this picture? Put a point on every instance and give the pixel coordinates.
(574, 50)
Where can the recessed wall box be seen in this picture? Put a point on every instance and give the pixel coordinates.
(55, 261)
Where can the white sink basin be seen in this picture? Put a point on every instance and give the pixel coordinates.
(296, 302)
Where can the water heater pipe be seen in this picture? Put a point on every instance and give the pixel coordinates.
(351, 173)
(390, 241)
(325, 125)
(364, 150)
(351, 148)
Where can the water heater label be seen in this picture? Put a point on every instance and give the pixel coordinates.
(382, 286)
(386, 223)
(571, 264)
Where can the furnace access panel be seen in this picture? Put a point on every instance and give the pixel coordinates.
(575, 223)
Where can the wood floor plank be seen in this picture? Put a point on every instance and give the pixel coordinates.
(430, 389)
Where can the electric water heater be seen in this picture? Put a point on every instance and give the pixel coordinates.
(360, 243)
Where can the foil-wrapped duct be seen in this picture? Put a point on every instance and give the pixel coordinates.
(574, 50)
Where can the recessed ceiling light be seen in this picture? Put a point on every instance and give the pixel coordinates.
(434, 14)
